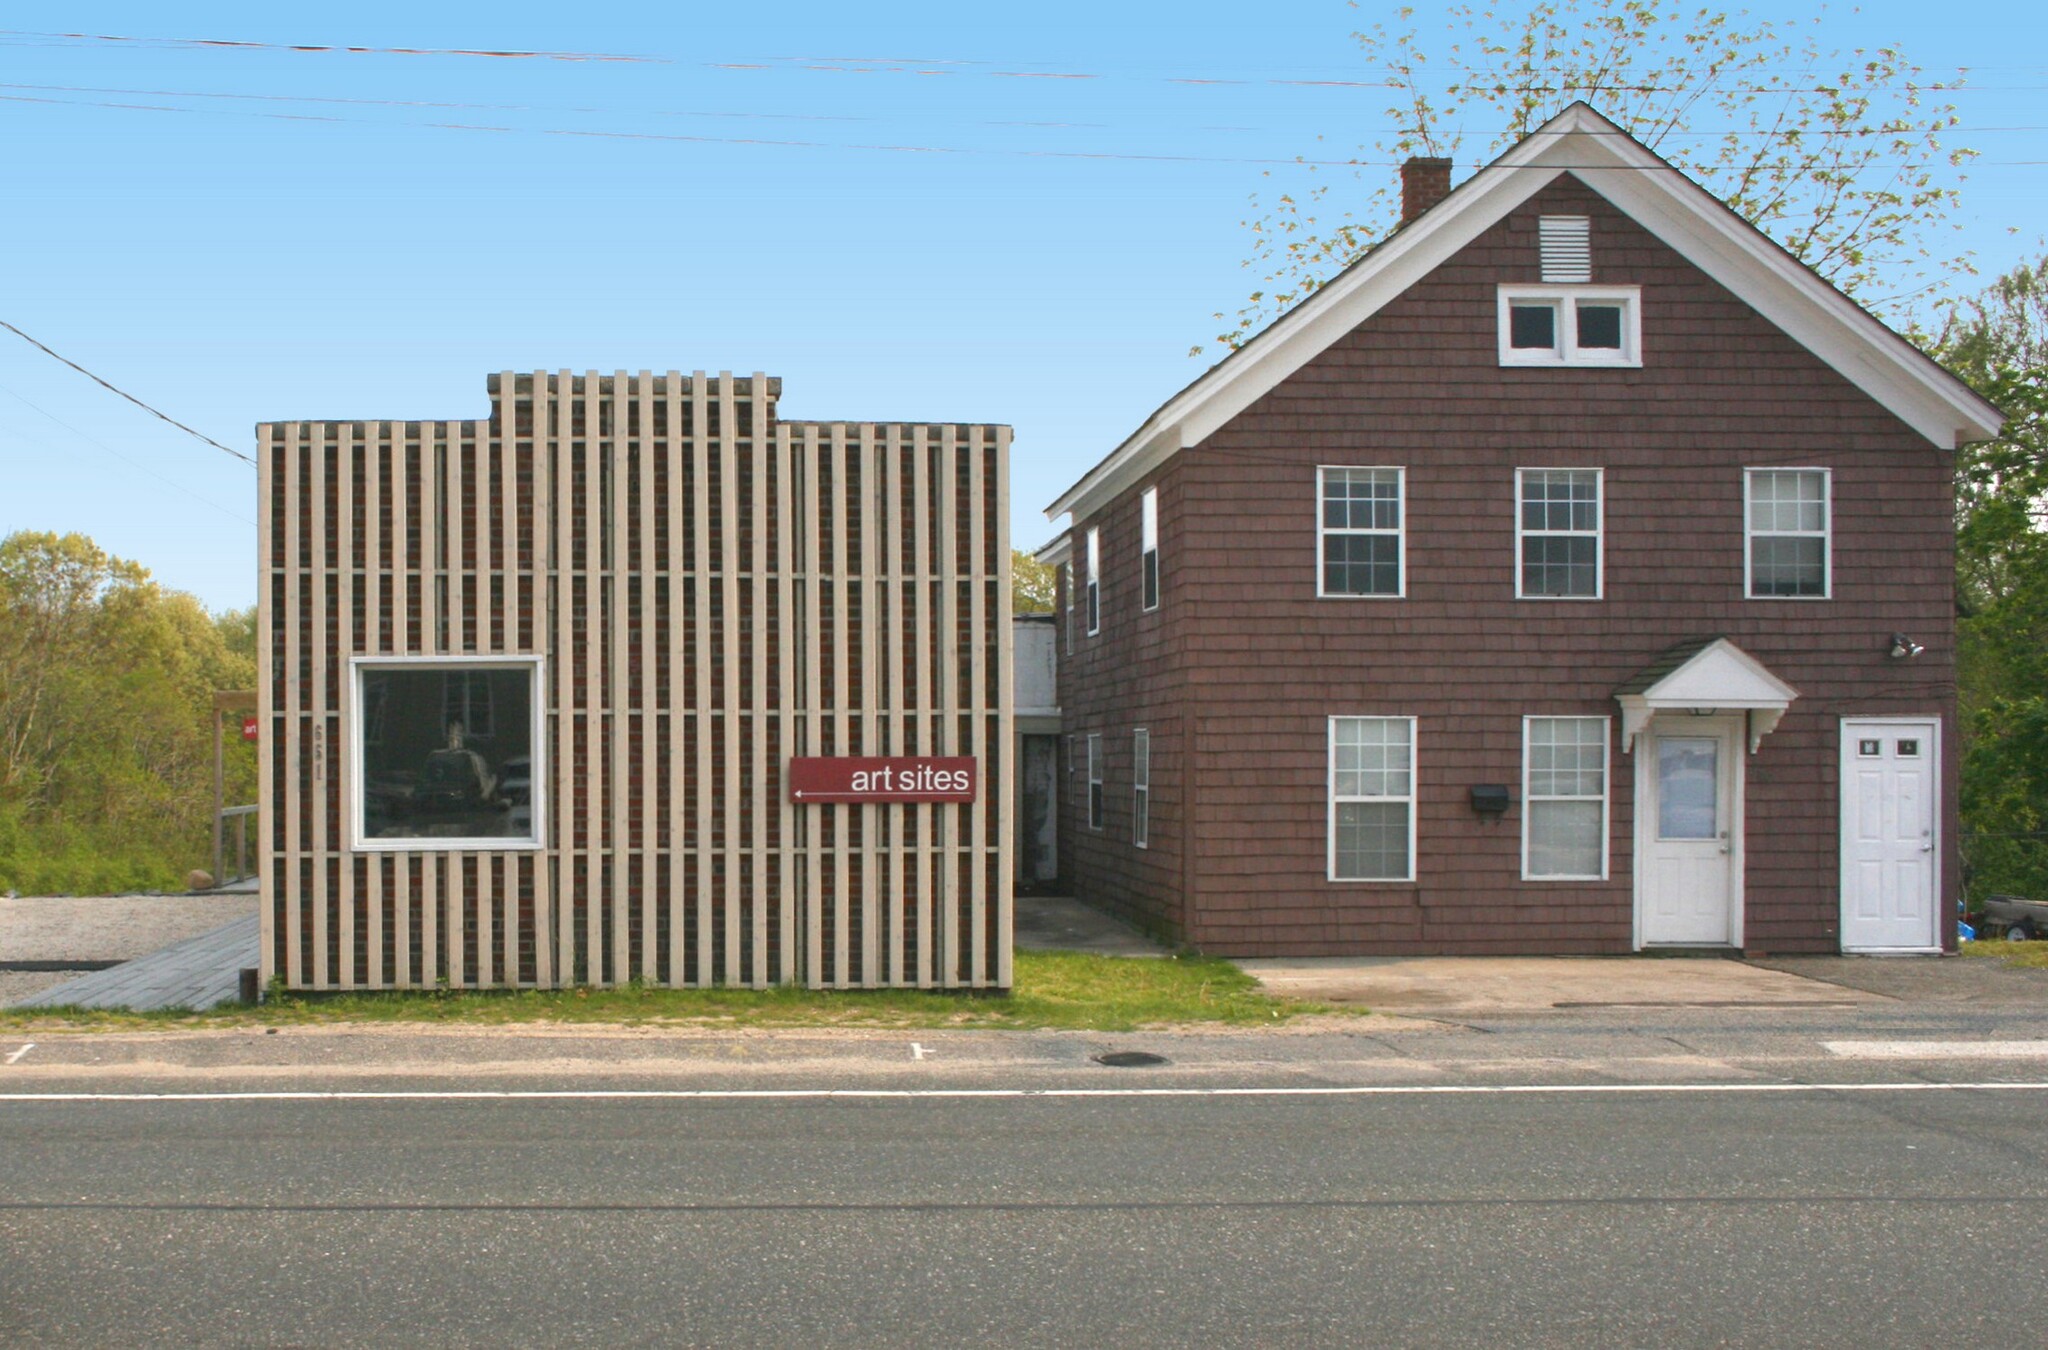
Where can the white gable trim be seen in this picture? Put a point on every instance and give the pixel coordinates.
(1678, 211)
(1720, 677)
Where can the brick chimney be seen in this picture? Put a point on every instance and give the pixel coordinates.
(1425, 181)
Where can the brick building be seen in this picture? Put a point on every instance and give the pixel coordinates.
(532, 684)
(1571, 574)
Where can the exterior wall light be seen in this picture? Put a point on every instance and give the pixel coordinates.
(1904, 648)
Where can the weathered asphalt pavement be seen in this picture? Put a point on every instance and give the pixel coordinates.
(1872, 1173)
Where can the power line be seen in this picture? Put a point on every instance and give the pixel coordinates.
(898, 148)
(222, 43)
(162, 416)
(135, 464)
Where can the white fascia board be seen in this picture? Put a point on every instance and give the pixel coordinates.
(1667, 203)
(1056, 550)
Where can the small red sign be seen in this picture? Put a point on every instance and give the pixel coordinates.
(249, 725)
(855, 779)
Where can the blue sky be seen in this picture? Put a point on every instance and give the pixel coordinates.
(906, 211)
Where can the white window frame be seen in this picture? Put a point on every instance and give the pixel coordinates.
(1094, 582)
(1098, 805)
(1333, 801)
(1149, 579)
(1826, 533)
(1529, 798)
(1141, 787)
(1598, 533)
(1067, 568)
(1567, 352)
(536, 668)
(1400, 532)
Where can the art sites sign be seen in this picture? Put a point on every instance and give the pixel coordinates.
(854, 779)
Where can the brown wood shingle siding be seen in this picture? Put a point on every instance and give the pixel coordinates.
(1248, 661)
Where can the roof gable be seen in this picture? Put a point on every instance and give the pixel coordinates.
(1893, 372)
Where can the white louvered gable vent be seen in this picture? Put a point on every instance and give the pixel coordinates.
(1567, 248)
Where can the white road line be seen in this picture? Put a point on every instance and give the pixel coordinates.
(913, 1094)
(1937, 1049)
(16, 1056)
(917, 1051)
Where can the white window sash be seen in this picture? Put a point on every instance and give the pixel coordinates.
(1094, 582)
(1566, 350)
(1141, 787)
(1529, 797)
(1598, 534)
(1149, 581)
(1335, 801)
(537, 795)
(1400, 532)
(1826, 532)
(1097, 811)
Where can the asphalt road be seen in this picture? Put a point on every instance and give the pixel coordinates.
(1678, 1180)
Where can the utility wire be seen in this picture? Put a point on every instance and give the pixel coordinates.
(135, 464)
(124, 393)
(899, 148)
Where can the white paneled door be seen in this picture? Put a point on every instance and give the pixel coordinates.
(1688, 832)
(1890, 784)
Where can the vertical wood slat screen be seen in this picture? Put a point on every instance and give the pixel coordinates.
(711, 591)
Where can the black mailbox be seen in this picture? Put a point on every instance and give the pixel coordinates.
(1490, 799)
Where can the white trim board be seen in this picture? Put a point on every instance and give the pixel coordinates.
(1643, 186)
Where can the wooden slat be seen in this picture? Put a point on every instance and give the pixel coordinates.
(594, 657)
(340, 770)
(977, 708)
(320, 977)
(1004, 789)
(729, 560)
(547, 599)
(887, 591)
(759, 454)
(376, 568)
(700, 706)
(618, 969)
(269, 449)
(842, 816)
(404, 595)
(925, 722)
(650, 792)
(790, 646)
(948, 743)
(815, 582)
(865, 585)
(674, 451)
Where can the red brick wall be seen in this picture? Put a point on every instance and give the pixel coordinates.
(1256, 663)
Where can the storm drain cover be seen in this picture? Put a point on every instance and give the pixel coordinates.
(1130, 1059)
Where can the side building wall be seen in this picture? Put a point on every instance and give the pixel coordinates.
(704, 591)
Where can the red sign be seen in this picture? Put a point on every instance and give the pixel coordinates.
(249, 727)
(874, 778)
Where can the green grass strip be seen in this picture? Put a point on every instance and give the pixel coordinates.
(1054, 990)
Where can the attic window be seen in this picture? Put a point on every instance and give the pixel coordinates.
(1570, 326)
(1566, 247)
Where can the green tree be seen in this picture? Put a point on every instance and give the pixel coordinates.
(1033, 585)
(1839, 156)
(106, 690)
(1998, 342)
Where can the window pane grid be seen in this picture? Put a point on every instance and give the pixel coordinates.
(1565, 797)
(1372, 780)
(1361, 524)
(1560, 520)
(1788, 532)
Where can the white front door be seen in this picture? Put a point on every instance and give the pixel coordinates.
(1890, 778)
(1688, 831)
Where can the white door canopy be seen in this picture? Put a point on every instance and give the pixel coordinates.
(1705, 675)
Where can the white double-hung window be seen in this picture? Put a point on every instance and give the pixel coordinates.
(1095, 782)
(1149, 545)
(1788, 513)
(1359, 526)
(1564, 799)
(1557, 529)
(1094, 582)
(1372, 799)
(1141, 787)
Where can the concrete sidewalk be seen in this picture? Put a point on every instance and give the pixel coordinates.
(1422, 985)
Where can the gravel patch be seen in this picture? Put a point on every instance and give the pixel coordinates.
(103, 928)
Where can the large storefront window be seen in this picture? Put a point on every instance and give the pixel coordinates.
(444, 754)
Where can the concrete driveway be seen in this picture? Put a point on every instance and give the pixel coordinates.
(1469, 985)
